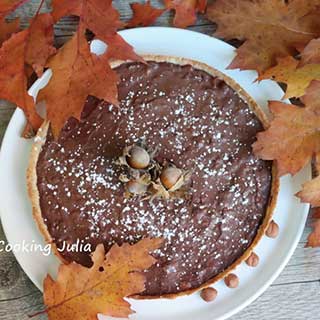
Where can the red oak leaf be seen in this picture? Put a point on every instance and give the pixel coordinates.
(270, 28)
(13, 79)
(118, 48)
(102, 19)
(316, 213)
(8, 28)
(77, 73)
(39, 46)
(62, 8)
(30, 47)
(292, 138)
(7, 6)
(185, 11)
(144, 14)
(311, 192)
(202, 5)
(314, 237)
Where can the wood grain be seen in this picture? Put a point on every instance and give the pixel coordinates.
(294, 295)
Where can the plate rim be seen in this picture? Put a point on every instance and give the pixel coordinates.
(304, 213)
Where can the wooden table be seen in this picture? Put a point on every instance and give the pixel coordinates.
(294, 295)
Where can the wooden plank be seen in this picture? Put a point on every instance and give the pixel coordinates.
(304, 264)
(298, 301)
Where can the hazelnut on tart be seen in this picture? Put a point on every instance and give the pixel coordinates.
(174, 160)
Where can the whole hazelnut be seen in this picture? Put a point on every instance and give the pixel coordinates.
(253, 260)
(272, 230)
(208, 294)
(135, 187)
(138, 158)
(170, 176)
(231, 280)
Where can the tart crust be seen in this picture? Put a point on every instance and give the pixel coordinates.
(41, 139)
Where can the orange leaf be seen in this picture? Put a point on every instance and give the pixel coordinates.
(65, 8)
(8, 28)
(77, 73)
(98, 16)
(81, 293)
(144, 14)
(39, 46)
(202, 6)
(185, 11)
(311, 53)
(13, 81)
(292, 138)
(6, 6)
(29, 47)
(312, 95)
(270, 28)
(102, 19)
(297, 79)
(316, 213)
(311, 192)
(118, 48)
(314, 237)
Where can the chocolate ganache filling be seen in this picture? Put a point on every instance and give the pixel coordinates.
(195, 121)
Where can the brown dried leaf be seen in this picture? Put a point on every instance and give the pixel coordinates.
(7, 6)
(8, 28)
(185, 11)
(311, 53)
(81, 293)
(144, 14)
(270, 28)
(314, 237)
(13, 80)
(292, 138)
(102, 19)
(39, 46)
(77, 73)
(311, 192)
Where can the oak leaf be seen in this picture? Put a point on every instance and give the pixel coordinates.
(81, 293)
(292, 137)
(13, 79)
(7, 6)
(316, 213)
(30, 47)
(102, 19)
(269, 28)
(76, 73)
(185, 11)
(39, 46)
(297, 78)
(311, 53)
(310, 192)
(312, 100)
(8, 28)
(63, 8)
(144, 14)
(314, 237)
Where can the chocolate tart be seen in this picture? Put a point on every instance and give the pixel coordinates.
(198, 119)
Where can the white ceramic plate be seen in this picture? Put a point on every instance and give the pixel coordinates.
(289, 213)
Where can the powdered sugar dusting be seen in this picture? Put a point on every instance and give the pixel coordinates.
(198, 123)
